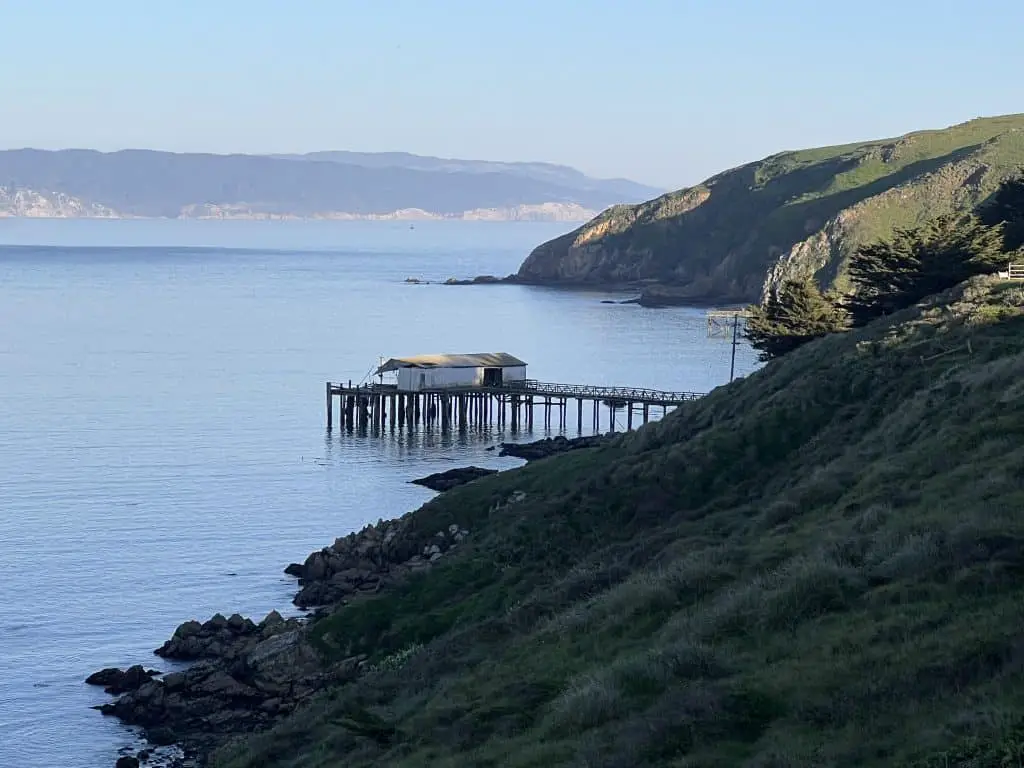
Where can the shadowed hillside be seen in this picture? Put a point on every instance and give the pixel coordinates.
(791, 214)
(819, 565)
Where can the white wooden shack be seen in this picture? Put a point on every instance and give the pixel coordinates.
(430, 372)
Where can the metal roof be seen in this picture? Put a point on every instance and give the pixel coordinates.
(475, 360)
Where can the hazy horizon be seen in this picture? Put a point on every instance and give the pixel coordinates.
(659, 92)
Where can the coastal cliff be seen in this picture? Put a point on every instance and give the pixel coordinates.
(735, 235)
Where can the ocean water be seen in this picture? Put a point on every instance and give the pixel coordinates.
(162, 446)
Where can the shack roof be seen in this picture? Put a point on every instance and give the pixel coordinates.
(475, 360)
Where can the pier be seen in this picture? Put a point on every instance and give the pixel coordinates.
(460, 391)
(516, 404)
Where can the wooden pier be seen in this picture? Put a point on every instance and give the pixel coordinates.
(514, 404)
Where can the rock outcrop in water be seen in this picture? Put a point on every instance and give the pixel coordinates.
(116, 681)
(453, 478)
(541, 449)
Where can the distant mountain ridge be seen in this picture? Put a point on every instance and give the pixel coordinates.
(149, 183)
(557, 174)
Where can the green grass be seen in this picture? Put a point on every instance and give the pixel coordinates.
(819, 565)
(811, 208)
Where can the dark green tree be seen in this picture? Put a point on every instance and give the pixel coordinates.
(794, 315)
(890, 275)
(1006, 207)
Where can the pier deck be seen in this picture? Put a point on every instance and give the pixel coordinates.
(514, 403)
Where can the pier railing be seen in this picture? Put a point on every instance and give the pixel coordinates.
(586, 391)
(542, 389)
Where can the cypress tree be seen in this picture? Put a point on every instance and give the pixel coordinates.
(1006, 207)
(890, 275)
(796, 314)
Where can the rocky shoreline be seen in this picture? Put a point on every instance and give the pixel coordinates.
(244, 676)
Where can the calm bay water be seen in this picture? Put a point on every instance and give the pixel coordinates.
(162, 444)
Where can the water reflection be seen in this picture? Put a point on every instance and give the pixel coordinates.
(353, 442)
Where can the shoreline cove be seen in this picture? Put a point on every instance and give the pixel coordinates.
(242, 676)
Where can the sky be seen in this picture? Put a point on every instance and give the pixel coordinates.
(665, 92)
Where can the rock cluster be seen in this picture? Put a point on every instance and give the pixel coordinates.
(115, 681)
(445, 481)
(221, 638)
(483, 280)
(541, 449)
(247, 675)
(367, 561)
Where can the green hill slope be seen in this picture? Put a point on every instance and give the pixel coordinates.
(821, 564)
(792, 213)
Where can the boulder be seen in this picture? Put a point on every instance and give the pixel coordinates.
(188, 629)
(106, 676)
(127, 761)
(272, 620)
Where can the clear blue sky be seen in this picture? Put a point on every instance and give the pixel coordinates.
(662, 91)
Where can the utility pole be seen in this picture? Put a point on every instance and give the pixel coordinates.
(718, 328)
(735, 331)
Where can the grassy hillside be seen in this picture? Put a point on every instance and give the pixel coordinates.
(792, 213)
(822, 564)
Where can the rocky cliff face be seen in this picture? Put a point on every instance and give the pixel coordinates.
(32, 204)
(736, 235)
